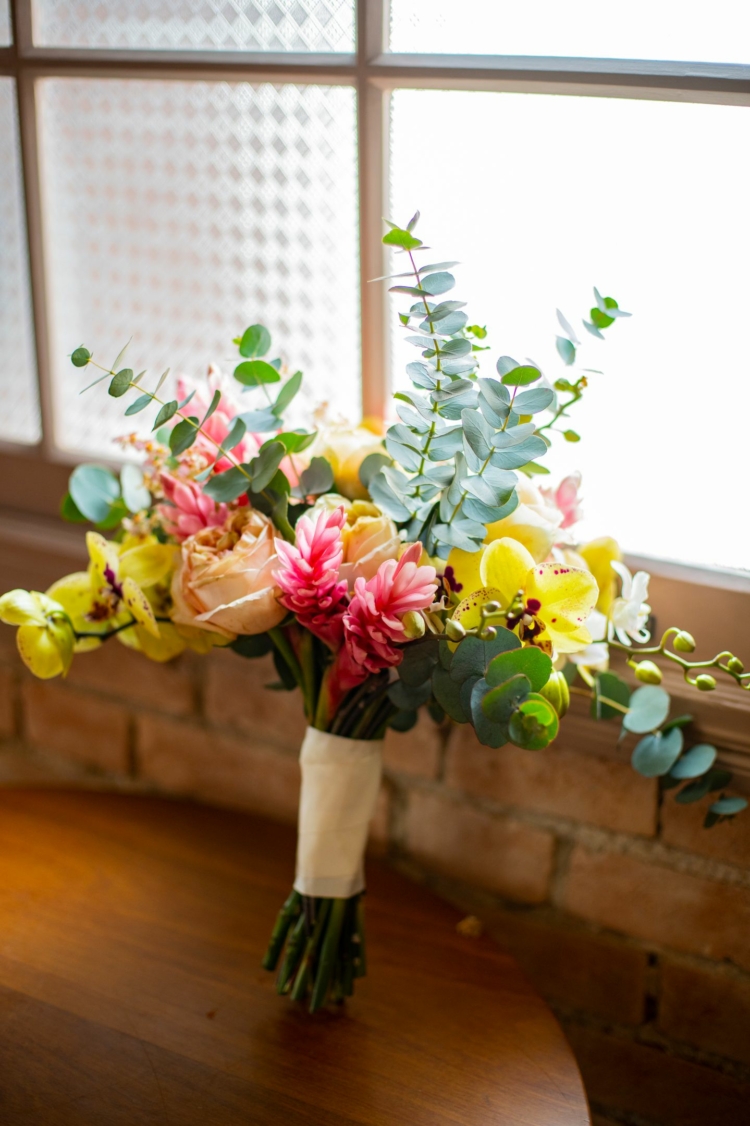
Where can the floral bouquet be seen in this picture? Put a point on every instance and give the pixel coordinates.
(422, 568)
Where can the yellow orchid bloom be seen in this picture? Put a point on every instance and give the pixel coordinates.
(547, 603)
(599, 555)
(45, 637)
(121, 573)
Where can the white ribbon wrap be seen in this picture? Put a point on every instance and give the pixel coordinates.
(340, 783)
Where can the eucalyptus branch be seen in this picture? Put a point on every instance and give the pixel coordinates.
(185, 418)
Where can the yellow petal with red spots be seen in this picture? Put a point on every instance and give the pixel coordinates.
(562, 598)
(104, 556)
(139, 606)
(505, 565)
(469, 612)
(462, 571)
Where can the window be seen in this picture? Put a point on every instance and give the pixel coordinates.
(183, 168)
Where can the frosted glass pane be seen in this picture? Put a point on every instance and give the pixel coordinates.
(647, 201)
(643, 29)
(19, 406)
(6, 36)
(179, 213)
(201, 25)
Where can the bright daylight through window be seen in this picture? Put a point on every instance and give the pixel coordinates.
(180, 205)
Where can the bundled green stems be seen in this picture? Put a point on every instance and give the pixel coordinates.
(325, 948)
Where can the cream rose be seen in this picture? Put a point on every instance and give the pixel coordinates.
(369, 538)
(225, 583)
(346, 447)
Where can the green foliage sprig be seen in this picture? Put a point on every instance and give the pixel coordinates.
(461, 437)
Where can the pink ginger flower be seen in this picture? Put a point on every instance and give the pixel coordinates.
(373, 625)
(565, 498)
(308, 575)
(190, 510)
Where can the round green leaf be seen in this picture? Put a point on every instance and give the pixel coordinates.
(694, 762)
(534, 725)
(94, 490)
(499, 703)
(80, 357)
(566, 349)
(439, 282)
(134, 491)
(227, 486)
(252, 373)
(521, 376)
(533, 663)
(727, 807)
(183, 435)
(656, 754)
(649, 707)
(121, 382)
(69, 510)
(255, 341)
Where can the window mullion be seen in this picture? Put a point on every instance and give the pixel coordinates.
(372, 150)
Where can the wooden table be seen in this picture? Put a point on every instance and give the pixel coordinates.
(131, 932)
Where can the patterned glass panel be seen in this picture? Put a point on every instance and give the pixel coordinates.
(200, 25)
(6, 35)
(19, 405)
(669, 29)
(180, 213)
(580, 192)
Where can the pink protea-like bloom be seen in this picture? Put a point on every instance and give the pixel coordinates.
(308, 575)
(566, 499)
(373, 625)
(190, 510)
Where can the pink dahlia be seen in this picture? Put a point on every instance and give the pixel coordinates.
(373, 624)
(308, 574)
(190, 510)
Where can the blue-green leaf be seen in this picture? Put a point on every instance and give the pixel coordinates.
(140, 404)
(727, 807)
(227, 486)
(694, 762)
(648, 708)
(656, 754)
(94, 490)
(440, 282)
(531, 402)
(183, 435)
(134, 490)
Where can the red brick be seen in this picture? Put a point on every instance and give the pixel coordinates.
(183, 758)
(235, 696)
(415, 752)
(500, 854)
(7, 703)
(128, 675)
(627, 1078)
(583, 787)
(658, 904)
(79, 726)
(709, 1008)
(572, 967)
(682, 826)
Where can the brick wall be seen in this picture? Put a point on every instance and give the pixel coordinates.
(628, 917)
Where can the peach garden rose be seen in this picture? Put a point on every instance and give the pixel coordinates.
(225, 581)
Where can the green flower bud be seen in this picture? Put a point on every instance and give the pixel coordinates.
(734, 664)
(557, 692)
(705, 682)
(490, 608)
(414, 625)
(489, 633)
(455, 630)
(648, 673)
(684, 642)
